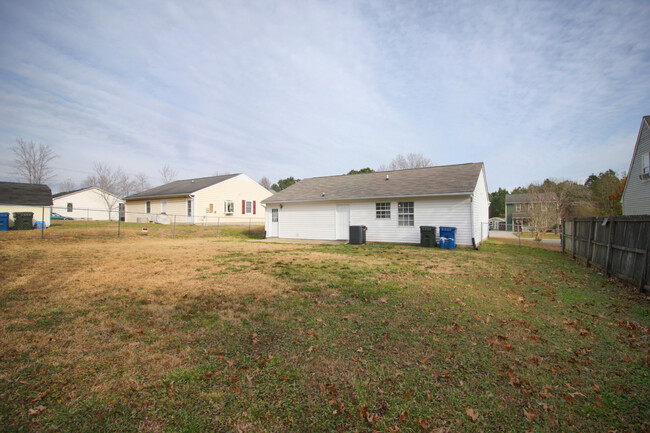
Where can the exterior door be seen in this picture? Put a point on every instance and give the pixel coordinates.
(343, 221)
(190, 211)
(274, 225)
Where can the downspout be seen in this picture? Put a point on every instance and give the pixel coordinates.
(471, 216)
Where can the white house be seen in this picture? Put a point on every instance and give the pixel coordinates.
(391, 204)
(26, 197)
(636, 195)
(90, 203)
(227, 199)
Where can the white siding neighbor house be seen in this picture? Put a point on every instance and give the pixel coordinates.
(26, 197)
(90, 203)
(391, 204)
(227, 199)
(636, 195)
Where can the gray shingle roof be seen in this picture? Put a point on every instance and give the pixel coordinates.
(180, 188)
(416, 182)
(25, 194)
(525, 198)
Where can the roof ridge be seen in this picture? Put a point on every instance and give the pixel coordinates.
(394, 171)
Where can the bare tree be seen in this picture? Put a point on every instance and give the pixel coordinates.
(543, 208)
(265, 182)
(167, 174)
(32, 160)
(112, 183)
(68, 185)
(411, 160)
(141, 182)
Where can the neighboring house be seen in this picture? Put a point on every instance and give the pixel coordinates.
(391, 204)
(497, 223)
(636, 195)
(519, 206)
(206, 200)
(89, 203)
(26, 197)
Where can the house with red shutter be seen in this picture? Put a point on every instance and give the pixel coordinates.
(230, 198)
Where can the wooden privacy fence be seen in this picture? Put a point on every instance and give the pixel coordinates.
(619, 245)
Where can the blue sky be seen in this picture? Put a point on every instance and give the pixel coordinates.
(312, 88)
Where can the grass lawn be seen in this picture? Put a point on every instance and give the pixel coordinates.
(529, 235)
(223, 334)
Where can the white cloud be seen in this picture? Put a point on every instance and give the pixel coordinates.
(315, 88)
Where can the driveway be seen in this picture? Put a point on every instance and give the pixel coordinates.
(504, 234)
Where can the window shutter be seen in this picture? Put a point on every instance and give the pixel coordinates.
(254, 207)
(243, 207)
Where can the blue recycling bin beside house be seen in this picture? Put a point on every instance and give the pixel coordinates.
(448, 238)
(4, 221)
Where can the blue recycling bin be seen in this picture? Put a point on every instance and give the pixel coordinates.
(4, 221)
(449, 236)
(40, 225)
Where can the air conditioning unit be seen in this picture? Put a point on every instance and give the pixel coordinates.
(644, 176)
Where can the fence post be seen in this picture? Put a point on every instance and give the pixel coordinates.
(519, 234)
(563, 234)
(610, 241)
(249, 226)
(590, 248)
(573, 239)
(119, 220)
(644, 277)
(43, 223)
(218, 219)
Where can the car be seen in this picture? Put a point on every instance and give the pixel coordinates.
(56, 216)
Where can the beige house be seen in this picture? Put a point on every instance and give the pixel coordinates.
(227, 199)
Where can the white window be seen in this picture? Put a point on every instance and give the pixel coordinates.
(405, 213)
(248, 208)
(163, 206)
(274, 215)
(228, 207)
(147, 206)
(518, 207)
(646, 163)
(382, 210)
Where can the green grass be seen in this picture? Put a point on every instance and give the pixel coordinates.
(529, 235)
(363, 338)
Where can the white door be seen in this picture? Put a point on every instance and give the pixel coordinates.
(274, 228)
(343, 221)
(190, 213)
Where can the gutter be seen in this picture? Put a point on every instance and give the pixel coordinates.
(471, 216)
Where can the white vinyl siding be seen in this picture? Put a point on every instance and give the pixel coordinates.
(481, 209)
(318, 220)
(636, 197)
(87, 204)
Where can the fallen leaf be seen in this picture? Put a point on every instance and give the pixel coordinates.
(471, 413)
(530, 414)
(403, 416)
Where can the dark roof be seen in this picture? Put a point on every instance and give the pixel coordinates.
(417, 182)
(525, 198)
(25, 194)
(60, 194)
(181, 188)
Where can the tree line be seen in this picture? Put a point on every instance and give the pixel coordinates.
(599, 195)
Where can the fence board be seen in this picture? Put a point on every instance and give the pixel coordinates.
(619, 245)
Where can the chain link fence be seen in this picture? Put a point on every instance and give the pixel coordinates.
(97, 223)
